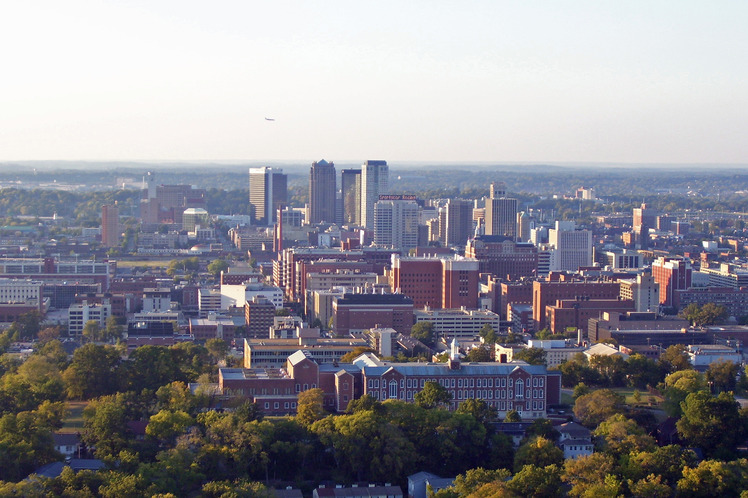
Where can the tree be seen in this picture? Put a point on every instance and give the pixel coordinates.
(713, 478)
(537, 482)
(48, 334)
(355, 353)
(678, 385)
(544, 334)
(424, 332)
(708, 314)
(92, 331)
(472, 480)
(580, 390)
(533, 356)
(538, 451)
(722, 376)
(642, 372)
(310, 407)
(479, 409)
(489, 335)
(675, 358)
(621, 436)
(591, 409)
(584, 472)
(92, 372)
(512, 416)
(218, 348)
(432, 395)
(113, 330)
(217, 266)
(704, 422)
(166, 425)
(478, 354)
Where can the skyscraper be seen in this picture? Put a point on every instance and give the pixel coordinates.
(268, 189)
(501, 213)
(322, 192)
(396, 223)
(350, 183)
(110, 225)
(572, 247)
(374, 182)
(458, 221)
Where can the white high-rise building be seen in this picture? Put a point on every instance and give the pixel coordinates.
(573, 248)
(268, 190)
(374, 182)
(396, 224)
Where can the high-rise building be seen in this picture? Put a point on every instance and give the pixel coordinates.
(110, 232)
(644, 218)
(501, 213)
(396, 223)
(457, 221)
(167, 203)
(268, 190)
(672, 274)
(374, 182)
(322, 192)
(502, 257)
(350, 183)
(572, 248)
(435, 282)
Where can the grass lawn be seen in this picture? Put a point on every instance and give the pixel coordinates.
(74, 420)
(644, 396)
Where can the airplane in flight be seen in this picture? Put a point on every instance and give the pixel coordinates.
(269, 119)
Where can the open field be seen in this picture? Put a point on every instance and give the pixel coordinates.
(74, 420)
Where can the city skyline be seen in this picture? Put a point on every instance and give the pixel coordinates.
(559, 82)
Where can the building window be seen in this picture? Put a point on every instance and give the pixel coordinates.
(267, 405)
(520, 388)
(285, 405)
(490, 382)
(459, 383)
(393, 389)
(402, 383)
(306, 386)
(453, 383)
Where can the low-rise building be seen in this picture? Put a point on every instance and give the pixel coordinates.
(460, 324)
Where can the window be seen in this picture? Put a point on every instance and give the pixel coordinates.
(540, 382)
(453, 383)
(285, 405)
(267, 405)
(376, 383)
(306, 387)
(520, 388)
(393, 389)
(371, 384)
(402, 383)
(511, 382)
(293, 404)
(423, 383)
(535, 382)
(314, 386)
(276, 405)
(490, 382)
(459, 383)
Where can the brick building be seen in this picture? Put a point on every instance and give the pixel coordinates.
(502, 257)
(355, 312)
(546, 293)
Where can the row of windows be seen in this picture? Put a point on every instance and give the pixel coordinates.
(276, 405)
(460, 382)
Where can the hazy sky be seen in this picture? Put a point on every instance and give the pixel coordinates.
(562, 81)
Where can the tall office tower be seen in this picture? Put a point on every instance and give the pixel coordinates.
(350, 183)
(672, 274)
(322, 193)
(573, 248)
(110, 225)
(524, 224)
(374, 182)
(396, 224)
(458, 222)
(268, 190)
(501, 213)
(644, 218)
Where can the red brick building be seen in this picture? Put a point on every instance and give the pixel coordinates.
(502, 257)
(575, 313)
(546, 293)
(435, 282)
(672, 274)
(367, 311)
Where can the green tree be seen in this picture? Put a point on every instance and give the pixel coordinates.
(489, 335)
(713, 478)
(642, 372)
(586, 472)
(722, 376)
(93, 372)
(472, 480)
(166, 425)
(478, 354)
(593, 408)
(533, 356)
(621, 436)
(538, 451)
(479, 409)
(113, 330)
(678, 385)
(92, 331)
(355, 353)
(310, 407)
(217, 266)
(432, 395)
(675, 358)
(424, 332)
(218, 348)
(537, 482)
(705, 419)
(708, 314)
(512, 416)
(580, 390)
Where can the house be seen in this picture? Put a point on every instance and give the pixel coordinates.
(419, 483)
(356, 491)
(67, 444)
(575, 440)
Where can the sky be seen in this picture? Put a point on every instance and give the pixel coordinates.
(565, 81)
